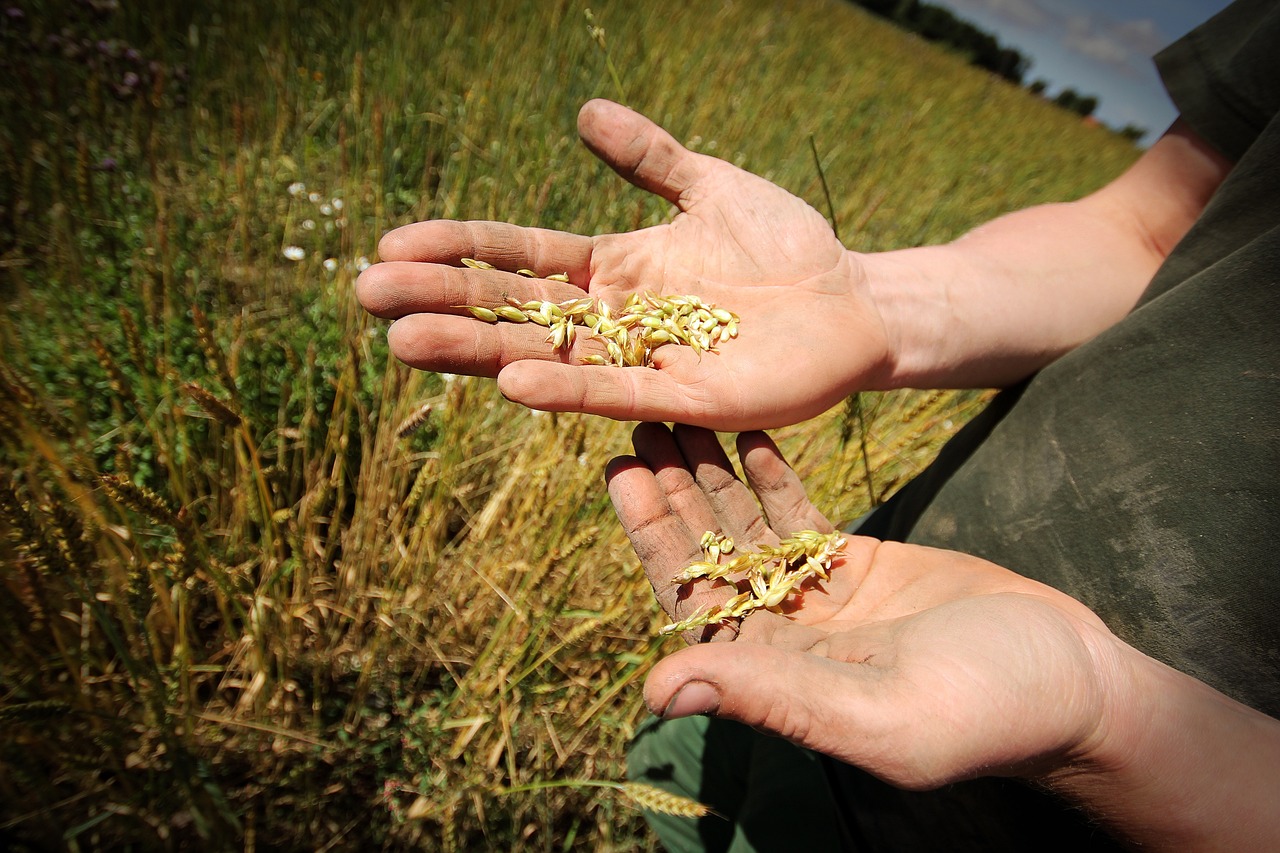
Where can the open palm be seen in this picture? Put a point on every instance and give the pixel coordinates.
(920, 665)
(738, 241)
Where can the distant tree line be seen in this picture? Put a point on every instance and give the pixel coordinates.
(1068, 99)
(1083, 105)
(938, 24)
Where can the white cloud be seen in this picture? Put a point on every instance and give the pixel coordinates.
(1082, 37)
(1142, 34)
(1023, 13)
(1026, 13)
(1124, 45)
(1121, 44)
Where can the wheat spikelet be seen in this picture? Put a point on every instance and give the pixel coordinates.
(215, 408)
(425, 475)
(71, 536)
(768, 576)
(127, 493)
(582, 630)
(663, 802)
(13, 385)
(115, 375)
(449, 827)
(41, 709)
(16, 385)
(25, 534)
(538, 572)
(917, 405)
(587, 627)
(122, 462)
(580, 540)
(216, 361)
(132, 338)
(414, 422)
(30, 534)
(185, 551)
(139, 593)
(204, 333)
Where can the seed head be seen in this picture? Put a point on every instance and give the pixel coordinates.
(414, 422)
(645, 322)
(657, 800)
(767, 576)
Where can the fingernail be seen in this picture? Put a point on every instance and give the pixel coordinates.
(696, 697)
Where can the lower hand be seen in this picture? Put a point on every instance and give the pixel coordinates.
(919, 665)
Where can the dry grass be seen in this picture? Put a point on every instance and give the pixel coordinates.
(264, 587)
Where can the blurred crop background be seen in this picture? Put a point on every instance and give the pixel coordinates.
(245, 606)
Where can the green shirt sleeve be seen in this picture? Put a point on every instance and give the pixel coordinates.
(1224, 76)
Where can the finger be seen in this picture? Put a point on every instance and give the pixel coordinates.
(663, 541)
(813, 701)
(508, 247)
(734, 506)
(640, 151)
(449, 344)
(661, 538)
(393, 289)
(657, 447)
(779, 489)
(626, 393)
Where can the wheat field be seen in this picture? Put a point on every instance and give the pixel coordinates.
(264, 587)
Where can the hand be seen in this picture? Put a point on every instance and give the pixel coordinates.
(919, 665)
(809, 334)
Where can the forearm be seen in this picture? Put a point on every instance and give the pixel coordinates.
(1176, 765)
(1006, 299)
(1013, 295)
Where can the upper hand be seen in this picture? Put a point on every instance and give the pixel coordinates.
(809, 333)
(919, 665)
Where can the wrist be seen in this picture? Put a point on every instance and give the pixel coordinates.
(913, 300)
(1171, 763)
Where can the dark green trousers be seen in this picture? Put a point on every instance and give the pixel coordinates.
(770, 795)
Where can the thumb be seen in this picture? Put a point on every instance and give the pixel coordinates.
(640, 151)
(789, 693)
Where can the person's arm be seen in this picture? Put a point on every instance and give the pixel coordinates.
(1176, 765)
(818, 321)
(925, 667)
(1014, 294)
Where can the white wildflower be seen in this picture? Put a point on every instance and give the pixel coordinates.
(326, 209)
(314, 198)
(330, 264)
(337, 204)
(308, 225)
(295, 253)
(362, 263)
(297, 188)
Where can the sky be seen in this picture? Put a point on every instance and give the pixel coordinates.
(1097, 47)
